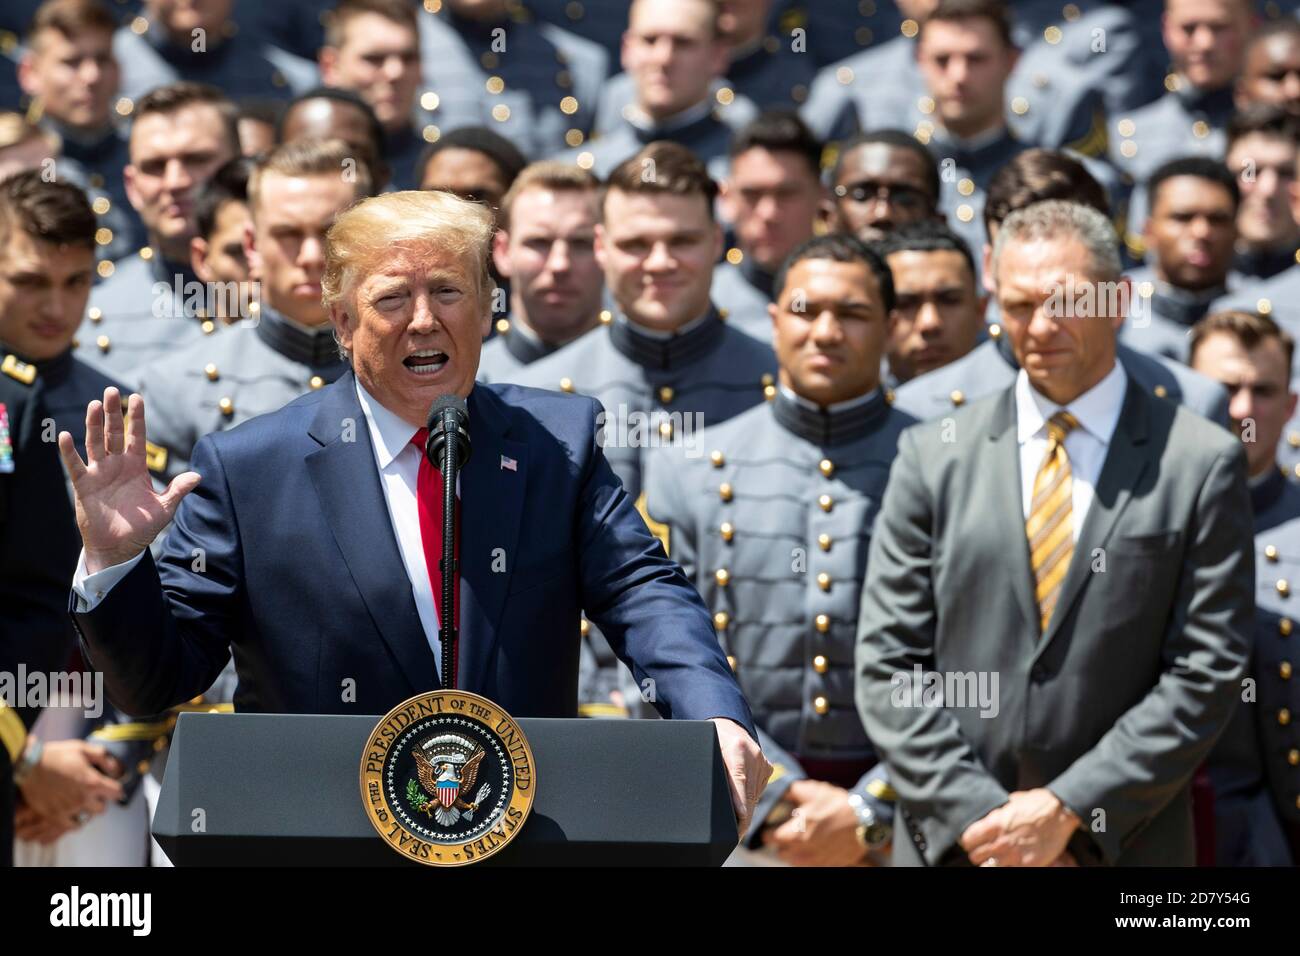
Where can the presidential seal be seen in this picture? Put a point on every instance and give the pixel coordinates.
(447, 778)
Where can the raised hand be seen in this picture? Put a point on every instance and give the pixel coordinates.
(118, 512)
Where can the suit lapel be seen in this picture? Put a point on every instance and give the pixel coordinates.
(1126, 459)
(1006, 498)
(492, 504)
(346, 480)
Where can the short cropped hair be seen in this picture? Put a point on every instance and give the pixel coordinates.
(1249, 328)
(228, 184)
(551, 174)
(662, 168)
(1057, 219)
(70, 18)
(174, 97)
(375, 228)
(899, 140)
(1199, 167)
(336, 20)
(840, 247)
(504, 154)
(53, 212)
(955, 11)
(1036, 175)
(1262, 120)
(927, 235)
(311, 157)
(780, 131)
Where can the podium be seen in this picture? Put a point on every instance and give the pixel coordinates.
(284, 790)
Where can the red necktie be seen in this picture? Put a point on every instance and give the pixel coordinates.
(428, 493)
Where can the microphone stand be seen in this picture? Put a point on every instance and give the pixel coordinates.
(448, 565)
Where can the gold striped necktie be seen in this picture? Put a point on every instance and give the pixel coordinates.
(1050, 527)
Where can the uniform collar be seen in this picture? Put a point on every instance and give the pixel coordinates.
(314, 347)
(681, 125)
(666, 350)
(830, 424)
(1097, 410)
(978, 152)
(52, 370)
(1266, 490)
(1182, 305)
(758, 277)
(1214, 103)
(524, 344)
(1264, 263)
(83, 146)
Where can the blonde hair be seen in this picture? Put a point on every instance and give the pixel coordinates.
(312, 157)
(375, 228)
(552, 174)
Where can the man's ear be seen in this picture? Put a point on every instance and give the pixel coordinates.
(986, 271)
(500, 253)
(27, 75)
(719, 241)
(254, 258)
(342, 324)
(327, 58)
(727, 200)
(198, 258)
(1124, 296)
(132, 193)
(1290, 405)
(598, 248)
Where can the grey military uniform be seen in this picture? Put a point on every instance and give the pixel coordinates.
(238, 68)
(513, 349)
(700, 129)
(991, 367)
(1255, 765)
(246, 371)
(1186, 122)
(135, 315)
(743, 293)
(618, 94)
(535, 84)
(707, 373)
(1162, 316)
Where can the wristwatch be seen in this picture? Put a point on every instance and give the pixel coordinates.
(872, 832)
(27, 762)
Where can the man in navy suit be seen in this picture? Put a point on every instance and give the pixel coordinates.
(302, 548)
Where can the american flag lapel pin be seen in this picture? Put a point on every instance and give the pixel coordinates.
(509, 464)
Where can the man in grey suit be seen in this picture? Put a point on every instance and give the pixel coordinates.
(1062, 568)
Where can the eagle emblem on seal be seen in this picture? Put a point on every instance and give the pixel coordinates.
(447, 766)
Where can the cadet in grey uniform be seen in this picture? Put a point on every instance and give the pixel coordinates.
(1262, 152)
(1190, 119)
(773, 199)
(254, 368)
(149, 302)
(1270, 75)
(773, 523)
(546, 248)
(1056, 96)
(1255, 765)
(488, 65)
(673, 54)
(155, 51)
(1190, 237)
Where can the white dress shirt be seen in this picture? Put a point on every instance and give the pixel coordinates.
(398, 462)
(1097, 411)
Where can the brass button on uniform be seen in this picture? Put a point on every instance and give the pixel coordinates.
(1284, 627)
(605, 316)
(102, 343)
(1283, 588)
(727, 530)
(503, 326)
(1200, 129)
(958, 397)
(566, 384)
(822, 622)
(721, 620)
(820, 664)
(1270, 552)
(724, 491)
(821, 705)
(1293, 439)
(96, 314)
(769, 392)
(716, 459)
(824, 581)
(722, 576)
(824, 542)
(1293, 757)
(825, 502)
(1161, 391)
(585, 627)
(207, 327)
(316, 382)
(1284, 716)
(211, 372)
(731, 662)
(1284, 670)
(826, 467)
(767, 379)
(665, 430)
(666, 394)
(227, 406)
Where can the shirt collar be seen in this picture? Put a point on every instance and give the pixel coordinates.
(390, 434)
(1097, 409)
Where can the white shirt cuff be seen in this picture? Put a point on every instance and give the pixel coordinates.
(91, 588)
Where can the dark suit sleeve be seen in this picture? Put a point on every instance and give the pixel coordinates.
(933, 770)
(1151, 752)
(162, 634)
(652, 617)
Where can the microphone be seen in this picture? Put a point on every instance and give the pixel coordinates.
(447, 449)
